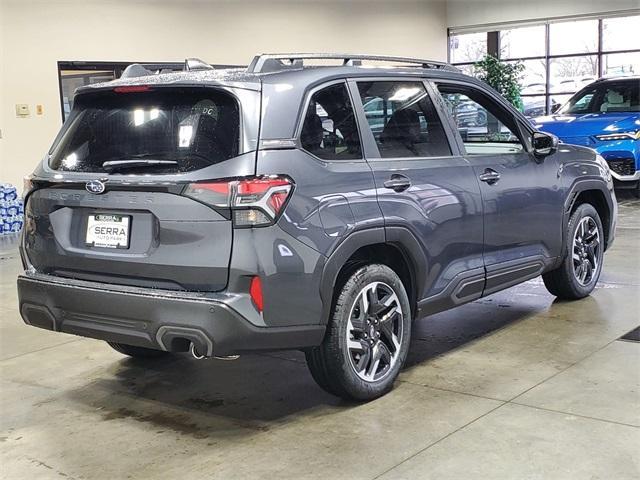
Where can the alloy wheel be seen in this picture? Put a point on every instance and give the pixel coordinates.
(374, 331)
(586, 251)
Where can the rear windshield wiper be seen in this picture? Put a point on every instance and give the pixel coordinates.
(113, 165)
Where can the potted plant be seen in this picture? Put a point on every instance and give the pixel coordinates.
(503, 77)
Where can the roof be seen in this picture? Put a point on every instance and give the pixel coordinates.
(242, 79)
(283, 89)
(617, 78)
(294, 73)
(234, 77)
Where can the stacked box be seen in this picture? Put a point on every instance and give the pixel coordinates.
(11, 210)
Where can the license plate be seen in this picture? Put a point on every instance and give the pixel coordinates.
(108, 231)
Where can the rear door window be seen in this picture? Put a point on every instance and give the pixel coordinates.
(403, 120)
(330, 130)
(167, 131)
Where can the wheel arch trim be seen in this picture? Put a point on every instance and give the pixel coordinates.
(586, 185)
(397, 237)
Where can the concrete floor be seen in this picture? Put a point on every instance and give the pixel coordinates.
(516, 385)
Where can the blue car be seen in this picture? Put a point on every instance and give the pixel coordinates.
(605, 116)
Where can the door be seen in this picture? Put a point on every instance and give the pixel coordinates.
(425, 188)
(521, 194)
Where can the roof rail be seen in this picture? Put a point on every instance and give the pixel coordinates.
(273, 62)
(145, 69)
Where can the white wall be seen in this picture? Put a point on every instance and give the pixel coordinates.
(462, 13)
(35, 34)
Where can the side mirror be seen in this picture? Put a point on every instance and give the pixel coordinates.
(555, 107)
(544, 144)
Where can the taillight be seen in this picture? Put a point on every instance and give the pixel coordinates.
(216, 194)
(255, 291)
(132, 89)
(254, 202)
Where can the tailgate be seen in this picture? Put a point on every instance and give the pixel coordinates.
(166, 241)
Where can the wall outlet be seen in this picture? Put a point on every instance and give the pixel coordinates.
(22, 110)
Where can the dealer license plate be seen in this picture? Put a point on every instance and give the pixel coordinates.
(108, 231)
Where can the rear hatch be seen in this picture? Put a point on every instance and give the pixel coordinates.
(108, 205)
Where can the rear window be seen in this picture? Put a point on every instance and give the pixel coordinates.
(161, 131)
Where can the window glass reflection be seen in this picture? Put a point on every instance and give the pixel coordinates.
(570, 74)
(573, 37)
(522, 42)
(534, 106)
(70, 80)
(469, 47)
(403, 120)
(621, 64)
(622, 33)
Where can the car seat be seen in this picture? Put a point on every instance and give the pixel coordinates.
(614, 102)
(402, 131)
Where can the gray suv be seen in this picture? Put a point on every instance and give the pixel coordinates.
(228, 211)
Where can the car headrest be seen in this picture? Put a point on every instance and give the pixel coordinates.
(614, 98)
(403, 126)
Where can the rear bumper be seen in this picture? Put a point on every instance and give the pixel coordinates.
(152, 319)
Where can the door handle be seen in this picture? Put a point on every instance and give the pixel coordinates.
(489, 176)
(397, 183)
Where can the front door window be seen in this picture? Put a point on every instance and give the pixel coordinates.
(484, 127)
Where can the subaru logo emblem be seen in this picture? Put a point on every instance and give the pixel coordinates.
(95, 186)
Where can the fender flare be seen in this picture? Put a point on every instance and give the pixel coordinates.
(400, 237)
(576, 189)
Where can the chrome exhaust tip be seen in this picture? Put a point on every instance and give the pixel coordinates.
(195, 353)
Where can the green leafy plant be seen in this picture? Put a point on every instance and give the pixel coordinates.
(503, 77)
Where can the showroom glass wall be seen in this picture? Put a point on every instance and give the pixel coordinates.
(560, 56)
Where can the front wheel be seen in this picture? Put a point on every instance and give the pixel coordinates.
(367, 336)
(580, 270)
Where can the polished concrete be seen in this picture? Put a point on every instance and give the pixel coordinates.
(516, 385)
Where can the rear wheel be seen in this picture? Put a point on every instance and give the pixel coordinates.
(367, 336)
(137, 352)
(580, 270)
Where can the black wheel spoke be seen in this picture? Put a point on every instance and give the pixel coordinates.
(386, 330)
(364, 360)
(385, 353)
(359, 317)
(588, 269)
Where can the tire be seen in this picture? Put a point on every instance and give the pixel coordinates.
(137, 352)
(572, 280)
(345, 363)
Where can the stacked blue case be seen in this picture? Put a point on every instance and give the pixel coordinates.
(11, 210)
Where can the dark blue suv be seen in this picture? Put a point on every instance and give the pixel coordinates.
(227, 211)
